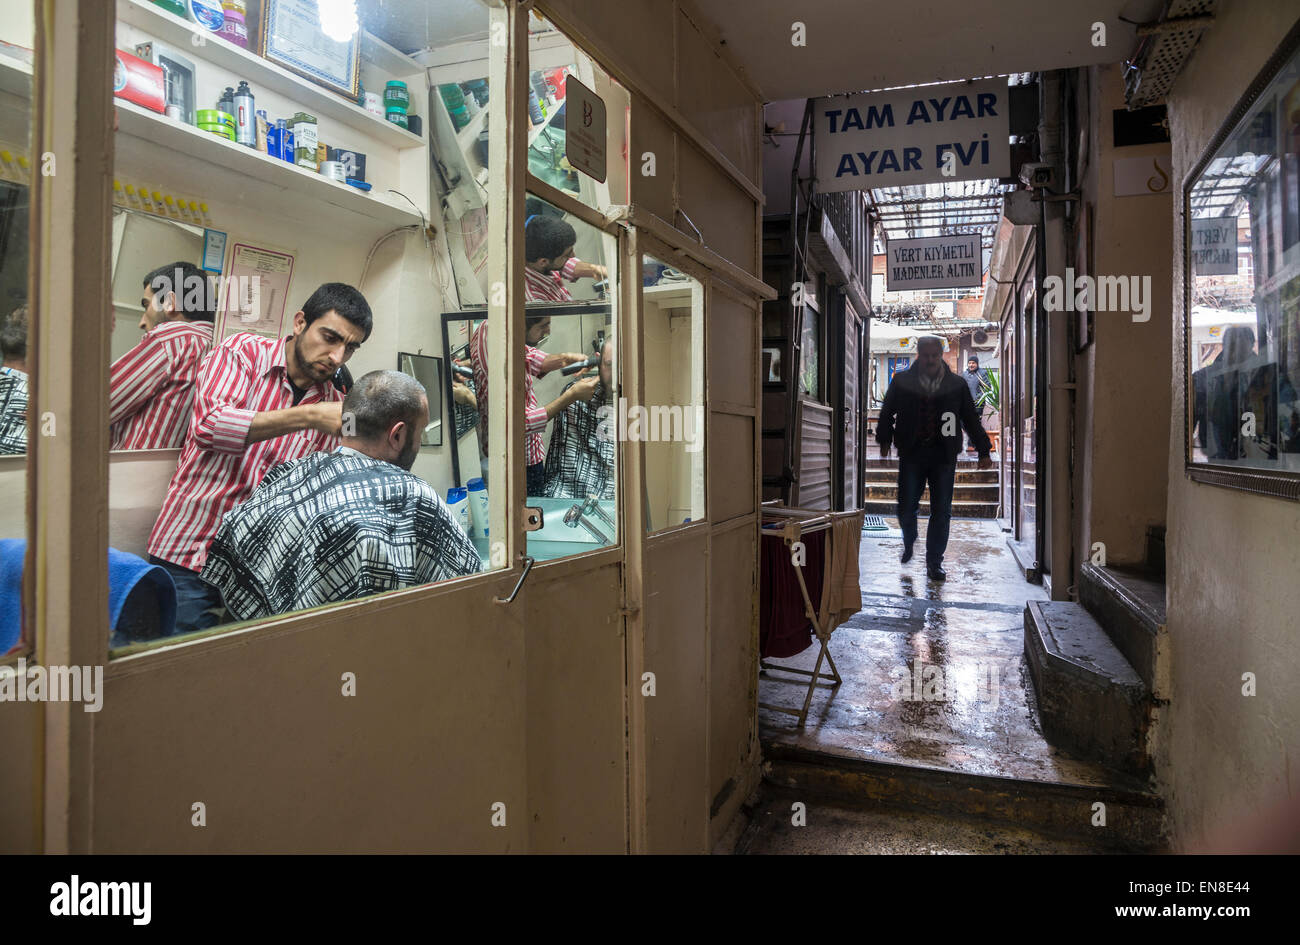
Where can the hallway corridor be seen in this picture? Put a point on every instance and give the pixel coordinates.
(957, 733)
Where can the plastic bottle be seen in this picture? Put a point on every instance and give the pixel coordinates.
(286, 140)
(24, 170)
(454, 99)
(458, 505)
(207, 220)
(146, 202)
(184, 211)
(170, 206)
(534, 108)
(207, 13)
(173, 6)
(234, 29)
(195, 214)
(304, 141)
(245, 117)
(132, 199)
(119, 197)
(478, 505)
(227, 102)
(157, 200)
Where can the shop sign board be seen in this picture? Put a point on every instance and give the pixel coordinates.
(926, 134)
(1214, 246)
(934, 262)
(1140, 176)
(584, 129)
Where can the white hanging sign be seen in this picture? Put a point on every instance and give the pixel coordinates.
(934, 262)
(584, 129)
(927, 134)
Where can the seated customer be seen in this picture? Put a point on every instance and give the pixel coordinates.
(13, 383)
(337, 526)
(580, 459)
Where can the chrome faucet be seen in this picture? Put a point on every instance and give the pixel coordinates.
(574, 517)
(593, 505)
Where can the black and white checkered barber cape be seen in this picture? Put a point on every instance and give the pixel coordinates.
(332, 527)
(580, 459)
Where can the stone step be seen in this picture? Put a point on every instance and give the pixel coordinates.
(1090, 700)
(972, 476)
(980, 491)
(1134, 814)
(1130, 605)
(961, 508)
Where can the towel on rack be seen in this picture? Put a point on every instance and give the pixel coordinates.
(784, 626)
(844, 592)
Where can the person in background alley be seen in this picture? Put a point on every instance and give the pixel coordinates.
(976, 379)
(922, 414)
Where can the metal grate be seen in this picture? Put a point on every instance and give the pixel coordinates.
(1160, 56)
(873, 523)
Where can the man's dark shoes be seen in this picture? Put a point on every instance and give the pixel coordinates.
(907, 554)
(936, 573)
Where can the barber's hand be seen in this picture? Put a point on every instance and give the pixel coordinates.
(572, 358)
(985, 461)
(328, 417)
(584, 389)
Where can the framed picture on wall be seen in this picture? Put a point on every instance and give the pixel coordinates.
(292, 37)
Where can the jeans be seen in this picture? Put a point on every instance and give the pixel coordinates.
(971, 444)
(922, 466)
(196, 599)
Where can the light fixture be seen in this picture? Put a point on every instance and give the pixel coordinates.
(338, 19)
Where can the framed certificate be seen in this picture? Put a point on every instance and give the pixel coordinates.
(292, 37)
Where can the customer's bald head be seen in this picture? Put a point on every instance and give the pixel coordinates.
(384, 415)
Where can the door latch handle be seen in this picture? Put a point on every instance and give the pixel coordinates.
(528, 566)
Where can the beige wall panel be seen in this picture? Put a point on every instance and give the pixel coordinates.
(733, 670)
(1132, 236)
(640, 32)
(730, 445)
(652, 134)
(714, 100)
(731, 340)
(261, 734)
(1232, 557)
(577, 792)
(20, 736)
(676, 644)
(723, 212)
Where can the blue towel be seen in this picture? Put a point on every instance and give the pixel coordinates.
(125, 572)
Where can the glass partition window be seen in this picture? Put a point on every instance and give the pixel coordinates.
(1243, 288)
(561, 149)
(671, 422)
(17, 39)
(280, 383)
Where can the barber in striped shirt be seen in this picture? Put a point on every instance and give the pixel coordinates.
(549, 259)
(260, 401)
(151, 387)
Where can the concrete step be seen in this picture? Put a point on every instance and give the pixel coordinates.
(1090, 701)
(1130, 605)
(961, 508)
(1134, 813)
(978, 492)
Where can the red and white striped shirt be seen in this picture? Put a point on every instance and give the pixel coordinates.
(549, 286)
(534, 412)
(151, 387)
(243, 376)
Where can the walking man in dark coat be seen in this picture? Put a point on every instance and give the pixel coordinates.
(924, 412)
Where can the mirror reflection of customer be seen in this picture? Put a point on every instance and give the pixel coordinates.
(151, 387)
(1215, 387)
(538, 364)
(260, 402)
(919, 404)
(1291, 434)
(342, 525)
(580, 459)
(13, 383)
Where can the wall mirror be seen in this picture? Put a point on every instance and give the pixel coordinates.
(428, 371)
(1242, 291)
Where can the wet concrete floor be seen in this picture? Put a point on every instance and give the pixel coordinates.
(830, 828)
(934, 673)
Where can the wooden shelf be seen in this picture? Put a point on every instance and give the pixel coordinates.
(244, 64)
(535, 131)
(466, 136)
(222, 156)
(15, 76)
(669, 294)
